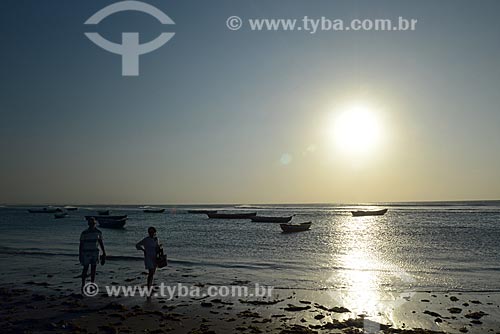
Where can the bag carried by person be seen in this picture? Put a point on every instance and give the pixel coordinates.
(161, 258)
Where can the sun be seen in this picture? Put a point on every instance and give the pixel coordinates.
(356, 129)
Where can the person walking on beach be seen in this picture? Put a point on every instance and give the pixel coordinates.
(90, 240)
(150, 245)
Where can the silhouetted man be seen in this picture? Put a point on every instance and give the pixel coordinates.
(90, 240)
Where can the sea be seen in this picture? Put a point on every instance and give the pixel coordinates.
(431, 246)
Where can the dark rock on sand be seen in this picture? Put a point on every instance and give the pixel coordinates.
(455, 310)
(339, 309)
(294, 308)
(241, 328)
(200, 298)
(249, 314)
(336, 309)
(433, 314)
(350, 323)
(263, 321)
(475, 315)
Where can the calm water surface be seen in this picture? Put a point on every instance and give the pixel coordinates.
(418, 247)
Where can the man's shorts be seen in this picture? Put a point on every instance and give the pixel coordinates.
(90, 258)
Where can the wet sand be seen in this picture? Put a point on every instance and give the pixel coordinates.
(46, 305)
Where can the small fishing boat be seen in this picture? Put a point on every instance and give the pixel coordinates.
(153, 210)
(369, 213)
(103, 212)
(112, 223)
(70, 208)
(202, 212)
(98, 218)
(59, 215)
(216, 215)
(295, 228)
(267, 219)
(45, 210)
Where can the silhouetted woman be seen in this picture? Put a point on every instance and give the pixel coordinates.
(150, 246)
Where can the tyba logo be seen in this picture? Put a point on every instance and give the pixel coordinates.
(130, 49)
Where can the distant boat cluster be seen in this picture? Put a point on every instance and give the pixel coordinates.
(106, 220)
(103, 217)
(213, 214)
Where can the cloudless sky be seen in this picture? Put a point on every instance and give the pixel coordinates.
(220, 116)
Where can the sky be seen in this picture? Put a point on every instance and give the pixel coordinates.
(222, 116)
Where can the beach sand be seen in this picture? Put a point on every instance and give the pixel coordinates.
(49, 305)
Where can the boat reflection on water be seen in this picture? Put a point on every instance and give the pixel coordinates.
(369, 283)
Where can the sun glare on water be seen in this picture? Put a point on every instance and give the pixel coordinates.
(357, 130)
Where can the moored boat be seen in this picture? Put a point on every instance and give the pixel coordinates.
(369, 213)
(203, 212)
(296, 227)
(110, 221)
(107, 217)
(217, 215)
(153, 210)
(267, 219)
(45, 210)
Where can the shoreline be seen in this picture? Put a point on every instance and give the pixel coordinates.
(44, 300)
(38, 306)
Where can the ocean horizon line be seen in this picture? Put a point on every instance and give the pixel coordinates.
(173, 205)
